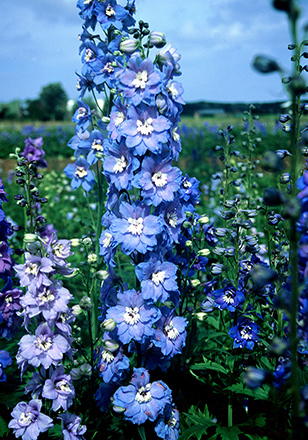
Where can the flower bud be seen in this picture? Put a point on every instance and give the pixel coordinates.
(217, 269)
(195, 283)
(109, 324)
(118, 409)
(129, 46)
(102, 275)
(85, 303)
(204, 252)
(87, 241)
(30, 238)
(203, 220)
(157, 39)
(188, 243)
(186, 225)
(110, 344)
(264, 64)
(77, 310)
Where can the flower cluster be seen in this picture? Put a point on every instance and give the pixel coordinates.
(137, 140)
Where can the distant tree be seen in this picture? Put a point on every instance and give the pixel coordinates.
(50, 105)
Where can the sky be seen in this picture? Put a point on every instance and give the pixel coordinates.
(217, 40)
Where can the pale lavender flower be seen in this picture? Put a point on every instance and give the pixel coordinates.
(44, 348)
(59, 389)
(35, 271)
(28, 422)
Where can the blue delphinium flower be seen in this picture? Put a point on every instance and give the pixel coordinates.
(170, 334)
(140, 81)
(142, 400)
(80, 174)
(28, 422)
(144, 129)
(244, 334)
(158, 180)
(158, 279)
(82, 116)
(111, 14)
(111, 366)
(228, 298)
(137, 229)
(133, 316)
(168, 424)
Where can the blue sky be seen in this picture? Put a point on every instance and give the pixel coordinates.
(216, 38)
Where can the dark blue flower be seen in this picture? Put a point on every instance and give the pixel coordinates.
(244, 334)
(228, 298)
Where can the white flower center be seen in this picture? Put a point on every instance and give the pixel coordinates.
(228, 297)
(108, 68)
(145, 128)
(158, 277)
(175, 135)
(89, 55)
(63, 385)
(81, 112)
(46, 296)
(135, 225)
(32, 269)
(170, 331)
(159, 179)
(107, 239)
(25, 419)
(8, 299)
(172, 219)
(131, 316)
(110, 12)
(186, 184)
(119, 119)
(43, 344)
(87, 2)
(246, 333)
(80, 172)
(172, 89)
(97, 145)
(57, 250)
(107, 357)
(143, 394)
(140, 81)
(120, 165)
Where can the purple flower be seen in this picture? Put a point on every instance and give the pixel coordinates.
(10, 302)
(142, 400)
(137, 229)
(80, 174)
(145, 129)
(48, 300)
(140, 81)
(170, 334)
(33, 152)
(158, 180)
(5, 361)
(168, 56)
(134, 318)
(28, 422)
(59, 389)
(35, 271)
(36, 383)
(6, 261)
(244, 334)
(45, 348)
(3, 194)
(71, 428)
(158, 279)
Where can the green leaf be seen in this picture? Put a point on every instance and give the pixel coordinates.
(142, 433)
(260, 393)
(228, 433)
(4, 430)
(210, 365)
(201, 422)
